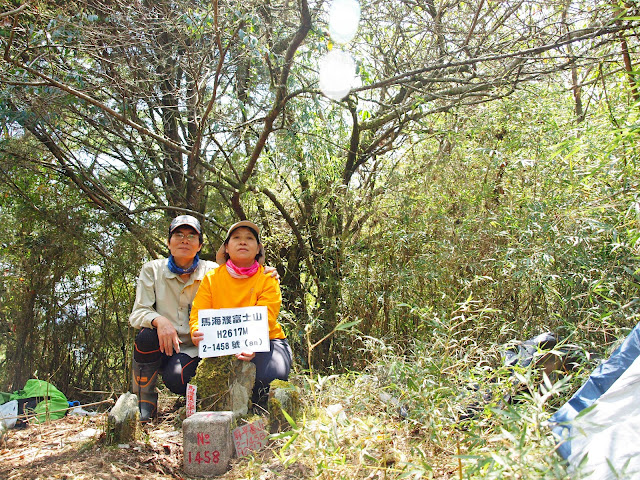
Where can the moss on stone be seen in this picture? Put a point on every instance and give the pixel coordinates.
(122, 432)
(212, 380)
(123, 421)
(277, 383)
(283, 396)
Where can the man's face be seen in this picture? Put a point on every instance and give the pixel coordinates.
(184, 244)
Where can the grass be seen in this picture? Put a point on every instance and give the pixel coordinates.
(424, 415)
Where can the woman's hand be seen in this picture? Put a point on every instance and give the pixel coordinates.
(245, 356)
(167, 335)
(196, 337)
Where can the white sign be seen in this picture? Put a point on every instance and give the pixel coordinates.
(233, 330)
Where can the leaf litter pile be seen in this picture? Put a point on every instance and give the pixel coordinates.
(73, 448)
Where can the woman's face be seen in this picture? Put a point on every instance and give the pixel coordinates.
(242, 247)
(184, 249)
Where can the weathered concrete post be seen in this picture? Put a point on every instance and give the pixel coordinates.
(122, 422)
(207, 443)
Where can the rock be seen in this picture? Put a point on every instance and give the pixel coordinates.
(283, 396)
(241, 382)
(225, 384)
(123, 420)
(84, 435)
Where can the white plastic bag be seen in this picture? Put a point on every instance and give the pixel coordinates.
(9, 413)
(81, 412)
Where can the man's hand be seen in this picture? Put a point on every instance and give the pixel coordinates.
(272, 271)
(167, 336)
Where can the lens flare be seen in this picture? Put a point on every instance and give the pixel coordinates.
(344, 16)
(337, 74)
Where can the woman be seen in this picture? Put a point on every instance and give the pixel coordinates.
(166, 288)
(239, 282)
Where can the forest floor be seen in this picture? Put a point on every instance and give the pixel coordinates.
(347, 430)
(72, 448)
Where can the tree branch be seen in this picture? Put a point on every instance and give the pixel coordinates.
(14, 11)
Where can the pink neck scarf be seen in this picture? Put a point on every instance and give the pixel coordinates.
(242, 272)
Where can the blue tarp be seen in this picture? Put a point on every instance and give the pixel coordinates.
(598, 383)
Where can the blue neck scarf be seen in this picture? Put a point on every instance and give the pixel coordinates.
(182, 271)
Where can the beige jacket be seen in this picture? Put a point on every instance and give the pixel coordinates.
(162, 293)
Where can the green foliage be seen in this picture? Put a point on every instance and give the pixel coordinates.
(525, 219)
(435, 411)
(60, 293)
(459, 206)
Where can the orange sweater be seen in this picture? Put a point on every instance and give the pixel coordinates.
(219, 289)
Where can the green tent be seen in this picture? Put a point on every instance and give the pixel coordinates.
(52, 403)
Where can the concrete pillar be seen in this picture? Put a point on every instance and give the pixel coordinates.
(207, 443)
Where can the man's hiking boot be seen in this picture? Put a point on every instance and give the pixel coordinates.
(145, 376)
